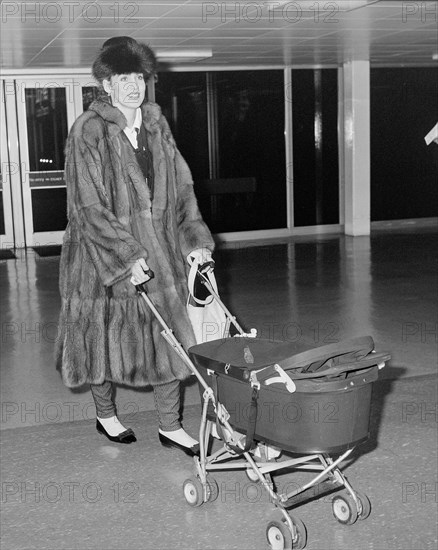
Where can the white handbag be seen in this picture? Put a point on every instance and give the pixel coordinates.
(208, 319)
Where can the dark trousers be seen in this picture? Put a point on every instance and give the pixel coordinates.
(167, 403)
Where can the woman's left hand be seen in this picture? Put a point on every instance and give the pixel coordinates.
(200, 255)
(201, 258)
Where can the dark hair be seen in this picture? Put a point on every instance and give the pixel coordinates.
(123, 55)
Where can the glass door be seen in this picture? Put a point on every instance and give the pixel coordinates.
(45, 112)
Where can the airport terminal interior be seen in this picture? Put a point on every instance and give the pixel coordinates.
(309, 129)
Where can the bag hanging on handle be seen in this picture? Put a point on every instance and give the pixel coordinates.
(207, 317)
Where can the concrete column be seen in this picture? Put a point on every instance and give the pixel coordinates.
(356, 157)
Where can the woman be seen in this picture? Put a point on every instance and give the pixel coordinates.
(131, 208)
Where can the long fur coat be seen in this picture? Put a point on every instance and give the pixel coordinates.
(106, 330)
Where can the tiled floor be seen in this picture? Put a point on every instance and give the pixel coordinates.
(65, 487)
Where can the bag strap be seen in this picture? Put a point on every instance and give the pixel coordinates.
(193, 273)
(252, 419)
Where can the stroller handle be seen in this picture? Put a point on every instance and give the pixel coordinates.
(206, 266)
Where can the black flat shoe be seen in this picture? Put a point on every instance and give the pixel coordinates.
(128, 436)
(166, 442)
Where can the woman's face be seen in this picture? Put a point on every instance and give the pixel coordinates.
(126, 90)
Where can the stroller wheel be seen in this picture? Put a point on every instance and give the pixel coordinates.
(366, 505)
(344, 508)
(301, 539)
(212, 489)
(193, 492)
(280, 537)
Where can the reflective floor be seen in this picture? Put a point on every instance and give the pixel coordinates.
(64, 486)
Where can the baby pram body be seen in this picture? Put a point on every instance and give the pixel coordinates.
(323, 406)
(263, 398)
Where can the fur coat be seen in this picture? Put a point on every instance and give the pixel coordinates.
(106, 331)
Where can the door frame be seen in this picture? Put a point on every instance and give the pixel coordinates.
(13, 237)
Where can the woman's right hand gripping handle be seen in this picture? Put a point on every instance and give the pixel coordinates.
(141, 273)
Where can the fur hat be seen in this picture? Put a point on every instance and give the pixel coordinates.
(123, 55)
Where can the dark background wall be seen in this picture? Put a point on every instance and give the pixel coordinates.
(404, 108)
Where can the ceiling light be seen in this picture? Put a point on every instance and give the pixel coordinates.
(183, 56)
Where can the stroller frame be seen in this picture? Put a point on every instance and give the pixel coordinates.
(284, 532)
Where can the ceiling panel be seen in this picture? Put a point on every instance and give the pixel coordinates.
(38, 35)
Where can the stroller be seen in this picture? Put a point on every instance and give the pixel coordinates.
(265, 399)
